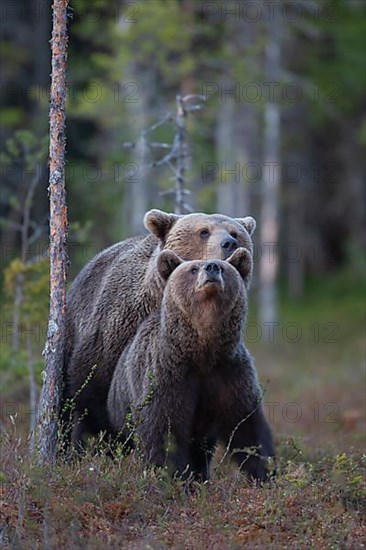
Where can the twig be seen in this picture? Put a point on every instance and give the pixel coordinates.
(27, 208)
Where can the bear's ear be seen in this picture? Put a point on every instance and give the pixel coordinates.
(159, 223)
(248, 223)
(242, 260)
(167, 261)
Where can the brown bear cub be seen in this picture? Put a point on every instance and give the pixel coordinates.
(117, 290)
(187, 378)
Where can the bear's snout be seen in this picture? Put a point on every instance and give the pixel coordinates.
(211, 273)
(228, 246)
(213, 269)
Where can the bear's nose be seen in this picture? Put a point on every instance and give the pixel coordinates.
(229, 244)
(212, 268)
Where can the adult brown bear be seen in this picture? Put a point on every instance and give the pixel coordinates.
(187, 378)
(117, 290)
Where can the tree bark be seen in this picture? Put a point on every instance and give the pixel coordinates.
(50, 399)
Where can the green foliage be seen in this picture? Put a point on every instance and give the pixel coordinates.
(335, 60)
(32, 280)
(13, 368)
(169, 46)
(23, 157)
(161, 36)
(35, 288)
(13, 111)
(24, 147)
(348, 477)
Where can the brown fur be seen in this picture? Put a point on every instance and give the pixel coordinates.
(187, 375)
(118, 289)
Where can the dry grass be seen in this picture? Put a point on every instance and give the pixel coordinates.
(317, 501)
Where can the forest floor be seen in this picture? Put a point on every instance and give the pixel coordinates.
(315, 401)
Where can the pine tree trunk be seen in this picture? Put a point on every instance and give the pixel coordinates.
(54, 350)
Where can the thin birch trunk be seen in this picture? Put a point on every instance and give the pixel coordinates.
(269, 220)
(181, 156)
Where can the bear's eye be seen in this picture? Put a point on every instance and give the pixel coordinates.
(204, 233)
(234, 234)
(194, 270)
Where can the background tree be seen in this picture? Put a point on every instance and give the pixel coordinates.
(26, 278)
(269, 215)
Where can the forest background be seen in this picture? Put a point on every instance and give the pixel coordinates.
(280, 136)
